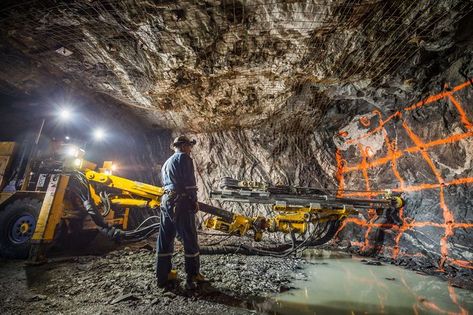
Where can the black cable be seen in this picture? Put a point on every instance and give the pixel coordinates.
(219, 241)
(280, 251)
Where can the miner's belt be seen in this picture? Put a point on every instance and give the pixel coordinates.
(174, 193)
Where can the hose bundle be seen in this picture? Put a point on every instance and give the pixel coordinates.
(80, 187)
(318, 236)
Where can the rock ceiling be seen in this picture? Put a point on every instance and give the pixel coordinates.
(215, 65)
(281, 91)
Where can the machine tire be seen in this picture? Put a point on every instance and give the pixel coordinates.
(15, 244)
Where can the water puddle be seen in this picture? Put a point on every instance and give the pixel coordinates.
(340, 284)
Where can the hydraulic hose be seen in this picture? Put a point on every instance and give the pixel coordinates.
(94, 214)
(81, 188)
(224, 214)
(278, 251)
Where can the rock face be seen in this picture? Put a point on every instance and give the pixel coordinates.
(349, 95)
(422, 150)
(212, 65)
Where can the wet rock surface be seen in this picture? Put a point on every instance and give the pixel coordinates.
(123, 281)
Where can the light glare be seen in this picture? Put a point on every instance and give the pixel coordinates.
(99, 134)
(65, 114)
(73, 151)
(78, 163)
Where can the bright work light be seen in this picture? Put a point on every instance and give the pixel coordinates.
(65, 114)
(99, 134)
(72, 151)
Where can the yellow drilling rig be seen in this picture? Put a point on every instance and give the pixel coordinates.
(69, 197)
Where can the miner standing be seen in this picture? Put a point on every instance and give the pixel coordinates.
(178, 208)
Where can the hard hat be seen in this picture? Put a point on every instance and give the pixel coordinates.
(183, 140)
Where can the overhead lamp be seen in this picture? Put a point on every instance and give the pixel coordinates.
(65, 114)
(99, 134)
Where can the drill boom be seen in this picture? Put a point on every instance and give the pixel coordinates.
(311, 201)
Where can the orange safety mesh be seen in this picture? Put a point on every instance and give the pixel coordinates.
(393, 154)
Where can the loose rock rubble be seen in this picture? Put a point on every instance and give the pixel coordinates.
(123, 281)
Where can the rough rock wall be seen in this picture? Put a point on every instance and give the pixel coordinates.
(276, 90)
(423, 149)
(139, 154)
(214, 65)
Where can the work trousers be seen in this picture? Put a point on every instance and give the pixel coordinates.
(177, 215)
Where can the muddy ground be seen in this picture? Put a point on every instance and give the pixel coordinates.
(123, 281)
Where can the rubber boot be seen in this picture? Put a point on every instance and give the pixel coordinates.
(193, 282)
(170, 281)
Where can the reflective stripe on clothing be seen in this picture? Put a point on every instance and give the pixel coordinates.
(192, 255)
(164, 254)
(183, 224)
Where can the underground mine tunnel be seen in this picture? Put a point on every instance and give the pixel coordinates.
(332, 157)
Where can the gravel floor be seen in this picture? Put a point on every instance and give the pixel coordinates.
(123, 281)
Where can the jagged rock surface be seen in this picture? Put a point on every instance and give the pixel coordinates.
(273, 90)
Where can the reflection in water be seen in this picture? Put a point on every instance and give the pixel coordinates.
(340, 284)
